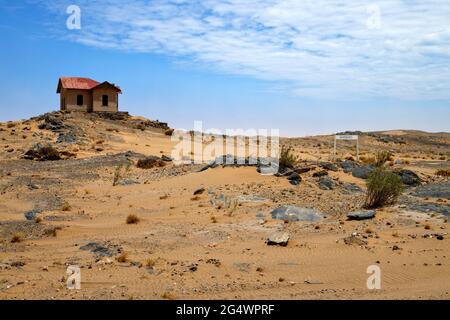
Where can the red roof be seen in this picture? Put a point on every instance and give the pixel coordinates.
(80, 84)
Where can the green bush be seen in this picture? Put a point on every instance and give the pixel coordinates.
(383, 188)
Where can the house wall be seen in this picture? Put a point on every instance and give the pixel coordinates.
(71, 100)
(112, 100)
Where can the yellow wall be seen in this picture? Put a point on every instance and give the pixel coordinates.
(71, 99)
(112, 100)
(92, 100)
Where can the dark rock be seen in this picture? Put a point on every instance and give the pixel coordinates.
(348, 165)
(326, 183)
(150, 162)
(294, 182)
(363, 172)
(66, 138)
(328, 166)
(409, 177)
(294, 176)
(97, 249)
(31, 215)
(440, 237)
(438, 190)
(166, 158)
(42, 152)
(429, 207)
(301, 170)
(199, 191)
(320, 173)
(352, 187)
(278, 239)
(293, 213)
(361, 215)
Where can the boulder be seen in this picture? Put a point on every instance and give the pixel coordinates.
(42, 152)
(278, 239)
(150, 162)
(326, 183)
(320, 173)
(363, 172)
(30, 215)
(348, 165)
(301, 170)
(199, 191)
(435, 190)
(294, 176)
(328, 166)
(293, 213)
(361, 214)
(410, 178)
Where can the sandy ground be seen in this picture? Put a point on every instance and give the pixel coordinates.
(185, 246)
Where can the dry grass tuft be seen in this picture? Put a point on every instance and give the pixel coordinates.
(123, 257)
(17, 237)
(133, 219)
(443, 173)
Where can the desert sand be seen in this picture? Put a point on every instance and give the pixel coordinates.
(212, 244)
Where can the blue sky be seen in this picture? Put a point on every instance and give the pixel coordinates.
(304, 67)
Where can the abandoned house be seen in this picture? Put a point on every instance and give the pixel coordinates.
(84, 94)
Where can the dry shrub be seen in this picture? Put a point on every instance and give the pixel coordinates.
(287, 158)
(123, 257)
(383, 188)
(17, 237)
(10, 125)
(367, 160)
(150, 263)
(443, 173)
(169, 132)
(382, 157)
(132, 219)
(150, 162)
(119, 172)
(65, 206)
(168, 296)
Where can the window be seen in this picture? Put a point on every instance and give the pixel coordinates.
(79, 100)
(105, 100)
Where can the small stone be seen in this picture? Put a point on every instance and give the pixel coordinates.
(279, 239)
(199, 191)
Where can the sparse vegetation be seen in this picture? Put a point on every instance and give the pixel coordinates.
(287, 158)
(66, 206)
(169, 132)
(150, 263)
(443, 173)
(382, 157)
(383, 188)
(17, 237)
(123, 257)
(120, 171)
(133, 219)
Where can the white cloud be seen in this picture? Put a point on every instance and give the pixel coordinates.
(321, 48)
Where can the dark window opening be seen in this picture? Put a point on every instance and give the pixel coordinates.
(105, 100)
(79, 100)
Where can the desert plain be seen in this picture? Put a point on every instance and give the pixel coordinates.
(194, 231)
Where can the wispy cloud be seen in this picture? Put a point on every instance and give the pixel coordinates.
(319, 48)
